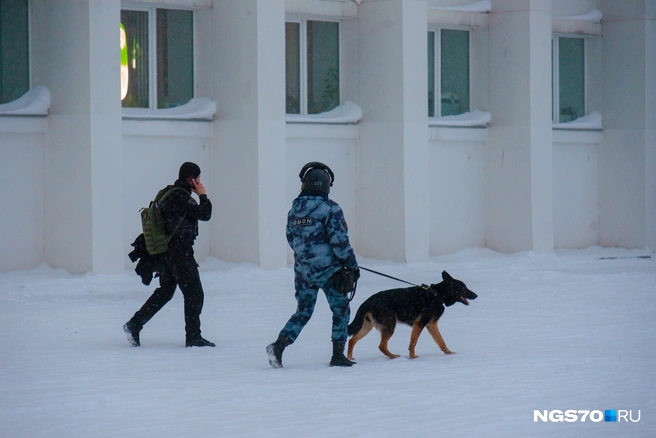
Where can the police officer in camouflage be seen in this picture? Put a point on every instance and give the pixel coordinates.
(317, 232)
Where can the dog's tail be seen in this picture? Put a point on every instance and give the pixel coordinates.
(356, 325)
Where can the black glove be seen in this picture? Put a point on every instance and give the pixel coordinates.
(345, 280)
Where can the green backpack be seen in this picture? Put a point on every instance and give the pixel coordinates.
(152, 223)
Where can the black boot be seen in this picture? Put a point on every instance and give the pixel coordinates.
(338, 359)
(132, 330)
(198, 341)
(274, 351)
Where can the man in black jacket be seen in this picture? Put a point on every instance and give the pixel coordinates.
(177, 266)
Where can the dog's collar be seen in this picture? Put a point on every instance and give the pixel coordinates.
(429, 289)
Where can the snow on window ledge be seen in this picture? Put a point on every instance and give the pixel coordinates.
(346, 113)
(591, 122)
(36, 102)
(199, 108)
(593, 16)
(477, 6)
(467, 120)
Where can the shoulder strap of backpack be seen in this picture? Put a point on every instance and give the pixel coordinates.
(162, 194)
(161, 197)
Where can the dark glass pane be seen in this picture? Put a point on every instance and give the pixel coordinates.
(323, 66)
(431, 74)
(175, 57)
(135, 24)
(454, 72)
(571, 78)
(293, 67)
(14, 50)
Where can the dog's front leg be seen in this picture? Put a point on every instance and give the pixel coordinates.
(414, 337)
(435, 333)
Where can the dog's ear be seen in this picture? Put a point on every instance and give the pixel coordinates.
(446, 276)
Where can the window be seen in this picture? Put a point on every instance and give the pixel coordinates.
(448, 72)
(14, 50)
(166, 79)
(312, 66)
(568, 78)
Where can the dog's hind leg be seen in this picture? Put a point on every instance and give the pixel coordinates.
(385, 335)
(435, 333)
(414, 337)
(367, 325)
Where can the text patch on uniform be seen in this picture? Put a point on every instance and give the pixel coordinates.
(302, 222)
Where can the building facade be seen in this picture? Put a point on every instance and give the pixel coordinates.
(508, 124)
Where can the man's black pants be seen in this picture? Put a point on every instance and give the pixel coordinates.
(176, 270)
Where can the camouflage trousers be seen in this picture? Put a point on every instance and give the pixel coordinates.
(306, 299)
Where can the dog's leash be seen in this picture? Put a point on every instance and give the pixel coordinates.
(423, 286)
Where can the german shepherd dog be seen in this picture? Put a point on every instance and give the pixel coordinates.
(417, 306)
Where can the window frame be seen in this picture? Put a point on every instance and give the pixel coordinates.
(303, 61)
(437, 67)
(555, 75)
(152, 49)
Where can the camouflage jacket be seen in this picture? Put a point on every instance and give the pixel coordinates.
(317, 232)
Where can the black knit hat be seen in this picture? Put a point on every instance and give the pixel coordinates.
(188, 169)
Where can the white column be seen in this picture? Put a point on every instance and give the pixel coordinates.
(627, 159)
(393, 173)
(78, 60)
(108, 185)
(248, 153)
(519, 178)
(650, 123)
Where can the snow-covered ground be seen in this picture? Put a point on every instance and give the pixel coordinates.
(561, 331)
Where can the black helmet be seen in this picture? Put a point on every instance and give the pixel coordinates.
(316, 176)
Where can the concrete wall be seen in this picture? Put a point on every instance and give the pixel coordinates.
(64, 67)
(519, 205)
(650, 124)
(576, 189)
(83, 141)
(408, 191)
(152, 154)
(22, 218)
(623, 165)
(248, 151)
(393, 155)
(335, 146)
(457, 189)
